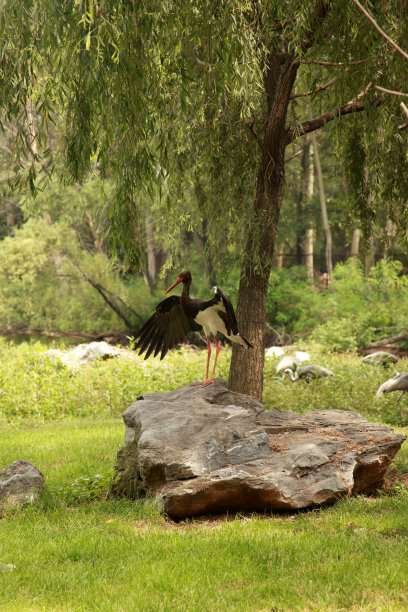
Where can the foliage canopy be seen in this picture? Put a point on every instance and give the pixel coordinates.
(171, 94)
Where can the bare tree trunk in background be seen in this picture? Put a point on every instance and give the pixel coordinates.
(95, 235)
(389, 239)
(369, 255)
(279, 255)
(308, 182)
(325, 219)
(355, 242)
(308, 253)
(11, 216)
(300, 230)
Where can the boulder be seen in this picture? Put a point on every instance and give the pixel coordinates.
(209, 450)
(85, 353)
(20, 482)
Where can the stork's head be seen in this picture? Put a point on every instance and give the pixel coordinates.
(184, 277)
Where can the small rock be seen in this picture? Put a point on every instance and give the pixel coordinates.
(20, 482)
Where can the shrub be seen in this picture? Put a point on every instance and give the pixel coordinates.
(336, 335)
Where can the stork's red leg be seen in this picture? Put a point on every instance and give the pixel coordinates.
(206, 382)
(217, 350)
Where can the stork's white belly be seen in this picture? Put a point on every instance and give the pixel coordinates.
(211, 321)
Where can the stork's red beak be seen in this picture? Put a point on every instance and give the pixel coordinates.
(179, 280)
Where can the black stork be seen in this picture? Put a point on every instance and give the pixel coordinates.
(177, 315)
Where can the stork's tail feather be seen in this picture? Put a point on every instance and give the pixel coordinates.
(241, 340)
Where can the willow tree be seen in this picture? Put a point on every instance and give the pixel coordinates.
(148, 91)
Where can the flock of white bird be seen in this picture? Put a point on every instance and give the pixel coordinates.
(291, 365)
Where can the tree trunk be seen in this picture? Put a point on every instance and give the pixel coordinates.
(11, 216)
(303, 197)
(325, 219)
(355, 242)
(300, 230)
(279, 255)
(308, 182)
(369, 255)
(389, 234)
(246, 372)
(308, 253)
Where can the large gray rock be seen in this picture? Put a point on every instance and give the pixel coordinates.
(205, 450)
(20, 482)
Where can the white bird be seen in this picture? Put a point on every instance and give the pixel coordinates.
(289, 361)
(380, 358)
(274, 351)
(398, 383)
(309, 371)
(302, 356)
(292, 361)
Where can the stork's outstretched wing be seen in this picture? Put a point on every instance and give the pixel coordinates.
(230, 319)
(166, 327)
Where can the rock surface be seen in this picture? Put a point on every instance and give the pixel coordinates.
(207, 450)
(20, 482)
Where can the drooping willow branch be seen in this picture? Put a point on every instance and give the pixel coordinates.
(379, 30)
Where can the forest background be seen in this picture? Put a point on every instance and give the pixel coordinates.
(92, 257)
(58, 276)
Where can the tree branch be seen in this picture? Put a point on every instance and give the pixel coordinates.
(321, 88)
(390, 340)
(251, 128)
(288, 159)
(354, 106)
(102, 292)
(390, 91)
(404, 125)
(335, 64)
(319, 14)
(379, 30)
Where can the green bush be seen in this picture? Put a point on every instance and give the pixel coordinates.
(292, 301)
(351, 311)
(336, 335)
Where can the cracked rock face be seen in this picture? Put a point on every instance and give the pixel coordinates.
(20, 482)
(209, 450)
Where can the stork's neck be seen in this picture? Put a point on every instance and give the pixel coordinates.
(186, 289)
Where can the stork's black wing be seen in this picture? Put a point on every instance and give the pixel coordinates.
(166, 327)
(229, 316)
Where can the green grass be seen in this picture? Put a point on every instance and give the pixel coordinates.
(34, 388)
(353, 387)
(77, 550)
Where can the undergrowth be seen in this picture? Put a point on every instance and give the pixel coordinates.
(36, 388)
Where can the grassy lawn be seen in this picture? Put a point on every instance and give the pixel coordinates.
(77, 550)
